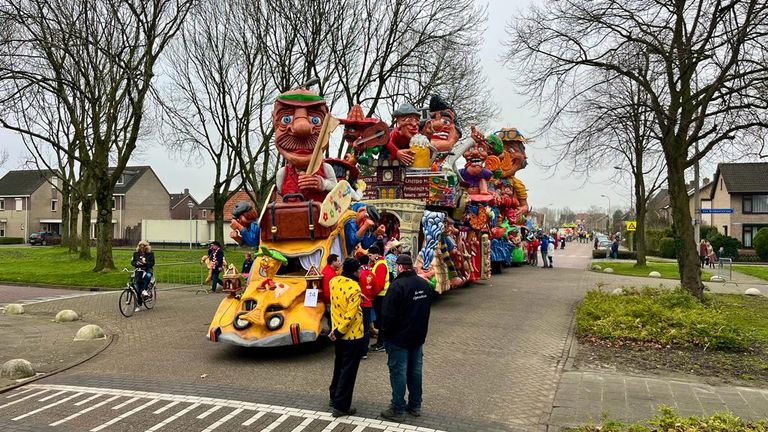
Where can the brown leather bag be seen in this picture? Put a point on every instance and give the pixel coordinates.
(292, 221)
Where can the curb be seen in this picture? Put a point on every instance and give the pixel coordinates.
(110, 340)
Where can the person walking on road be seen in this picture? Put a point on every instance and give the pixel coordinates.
(405, 322)
(347, 333)
(544, 245)
(702, 252)
(615, 248)
(216, 260)
(381, 274)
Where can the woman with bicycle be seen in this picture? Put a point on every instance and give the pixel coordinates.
(143, 260)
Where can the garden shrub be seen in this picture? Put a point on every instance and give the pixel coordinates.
(11, 240)
(667, 247)
(705, 231)
(622, 254)
(669, 420)
(730, 244)
(760, 243)
(658, 316)
(652, 238)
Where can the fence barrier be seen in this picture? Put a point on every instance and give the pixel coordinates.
(177, 274)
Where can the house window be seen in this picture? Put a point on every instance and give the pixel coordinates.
(114, 203)
(18, 204)
(754, 204)
(2, 203)
(54, 204)
(205, 214)
(2, 229)
(121, 180)
(725, 230)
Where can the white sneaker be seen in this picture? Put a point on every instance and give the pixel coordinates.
(145, 293)
(137, 309)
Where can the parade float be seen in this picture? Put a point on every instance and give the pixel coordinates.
(401, 182)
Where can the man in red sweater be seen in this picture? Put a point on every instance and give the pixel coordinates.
(407, 125)
(368, 291)
(331, 270)
(381, 275)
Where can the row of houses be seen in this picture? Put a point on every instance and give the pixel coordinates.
(30, 201)
(734, 200)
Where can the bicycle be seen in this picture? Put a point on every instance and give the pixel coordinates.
(127, 301)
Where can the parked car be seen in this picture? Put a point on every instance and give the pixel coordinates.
(44, 238)
(603, 242)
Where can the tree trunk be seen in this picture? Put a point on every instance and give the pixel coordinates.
(104, 227)
(65, 214)
(642, 209)
(219, 199)
(685, 245)
(74, 213)
(85, 229)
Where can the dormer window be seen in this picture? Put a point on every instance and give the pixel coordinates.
(121, 180)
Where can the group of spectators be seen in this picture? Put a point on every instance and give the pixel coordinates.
(382, 297)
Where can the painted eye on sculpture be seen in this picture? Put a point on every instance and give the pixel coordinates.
(446, 122)
(286, 119)
(315, 120)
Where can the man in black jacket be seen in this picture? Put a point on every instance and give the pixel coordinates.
(405, 321)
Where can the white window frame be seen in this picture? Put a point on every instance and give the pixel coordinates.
(205, 214)
(2, 229)
(114, 203)
(121, 180)
(19, 205)
(54, 203)
(2, 203)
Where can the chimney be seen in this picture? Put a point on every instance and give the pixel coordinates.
(705, 181)
(186, 191)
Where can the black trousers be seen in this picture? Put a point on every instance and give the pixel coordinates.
(378, 304)
(345, 365)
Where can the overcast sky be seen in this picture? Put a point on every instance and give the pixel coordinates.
(560, 189)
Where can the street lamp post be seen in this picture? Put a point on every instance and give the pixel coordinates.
(608, 221)
(190, 206)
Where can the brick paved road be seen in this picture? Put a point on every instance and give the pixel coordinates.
(30, 294)
(492, 359)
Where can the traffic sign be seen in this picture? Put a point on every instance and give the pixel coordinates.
(715, 210)
(631, 225)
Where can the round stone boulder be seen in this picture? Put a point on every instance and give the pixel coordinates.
(14, 309)
(753, 292)
(90, 332)
(596, 267)
(66, 315)
(717, 278)
(654, 274)
(607, 270)
(618, 291)
(17, 369)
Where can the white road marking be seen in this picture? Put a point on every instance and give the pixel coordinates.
(51, 405)
(210, 411)
(303, 425)
(253, 419)
(125, 415)
(19, 393)
(117, 407)
(173, 417)
(210, 403)
(87, 410)
(24, 398)
(224, 419)
(53, 396)
(359, 428)
(85, 401)
(165, 408)
(276, 423)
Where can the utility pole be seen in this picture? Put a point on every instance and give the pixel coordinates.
(696, 200)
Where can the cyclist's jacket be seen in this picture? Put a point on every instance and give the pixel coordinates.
(147, 264)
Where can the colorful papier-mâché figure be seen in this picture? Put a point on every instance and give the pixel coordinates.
(474, 172)
(297, 118)
(406, 119)
(513, 159)
(268, 262)
(365, 136)
(442, 128)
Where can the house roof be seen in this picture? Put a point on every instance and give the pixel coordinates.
(176, 199)
(131, 174)
(22, 182)
(691, 190)
(207, 203)
(744, 177)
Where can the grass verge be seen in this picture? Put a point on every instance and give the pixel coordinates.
(756, 271)
(667, 270)
(668, 420)
(56, 266)
(725, 337)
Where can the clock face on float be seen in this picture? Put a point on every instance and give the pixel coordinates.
(387, 175)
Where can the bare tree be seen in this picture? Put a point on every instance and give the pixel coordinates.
(97, 58)
(701, 64)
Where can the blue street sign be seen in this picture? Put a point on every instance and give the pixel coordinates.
(714, 210)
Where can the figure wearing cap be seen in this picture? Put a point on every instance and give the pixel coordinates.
(406, 119)
(297, 118)
(513, 159)
(268, 262)
(360, 230)
(442, 128)
(365, 136)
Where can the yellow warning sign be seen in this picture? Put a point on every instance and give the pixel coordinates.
(631, 225)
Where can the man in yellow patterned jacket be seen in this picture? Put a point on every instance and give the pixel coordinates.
(347, 333)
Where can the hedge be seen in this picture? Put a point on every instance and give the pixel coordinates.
(667, 247)
(653, 237)
(760, 243)
(622, 254)
(11, 240)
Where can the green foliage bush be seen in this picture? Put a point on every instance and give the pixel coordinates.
(705, 231)
(730, 244)
(669, 420)
(11, 240)
(667, 247)
(658, 316)
(760, 243)
(653, 237)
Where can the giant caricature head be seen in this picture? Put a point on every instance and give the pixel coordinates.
(442, 128)
(297, 118)
(407, 118)
(355, 124)
(514, 144)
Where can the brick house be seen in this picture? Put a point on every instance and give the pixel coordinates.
(743, 188)
(29, 202)
(180, 208)
(207, 210)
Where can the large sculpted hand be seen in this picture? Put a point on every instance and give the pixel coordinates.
(309, 182)
(243, 226)
(405, 156)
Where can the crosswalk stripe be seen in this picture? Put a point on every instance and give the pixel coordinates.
(223, 420)
(276, 423)
(165, 408)
(52, 396)
(23, 399)
(85, 401)
(253, 419)
(59, 402)
(303, 425)
(87, 410)
(117, 407)
(173, 417)
(125, 415)
(212, 410)
(24, 391)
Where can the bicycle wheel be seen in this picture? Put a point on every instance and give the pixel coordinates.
(149, 302)
(127, 302)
